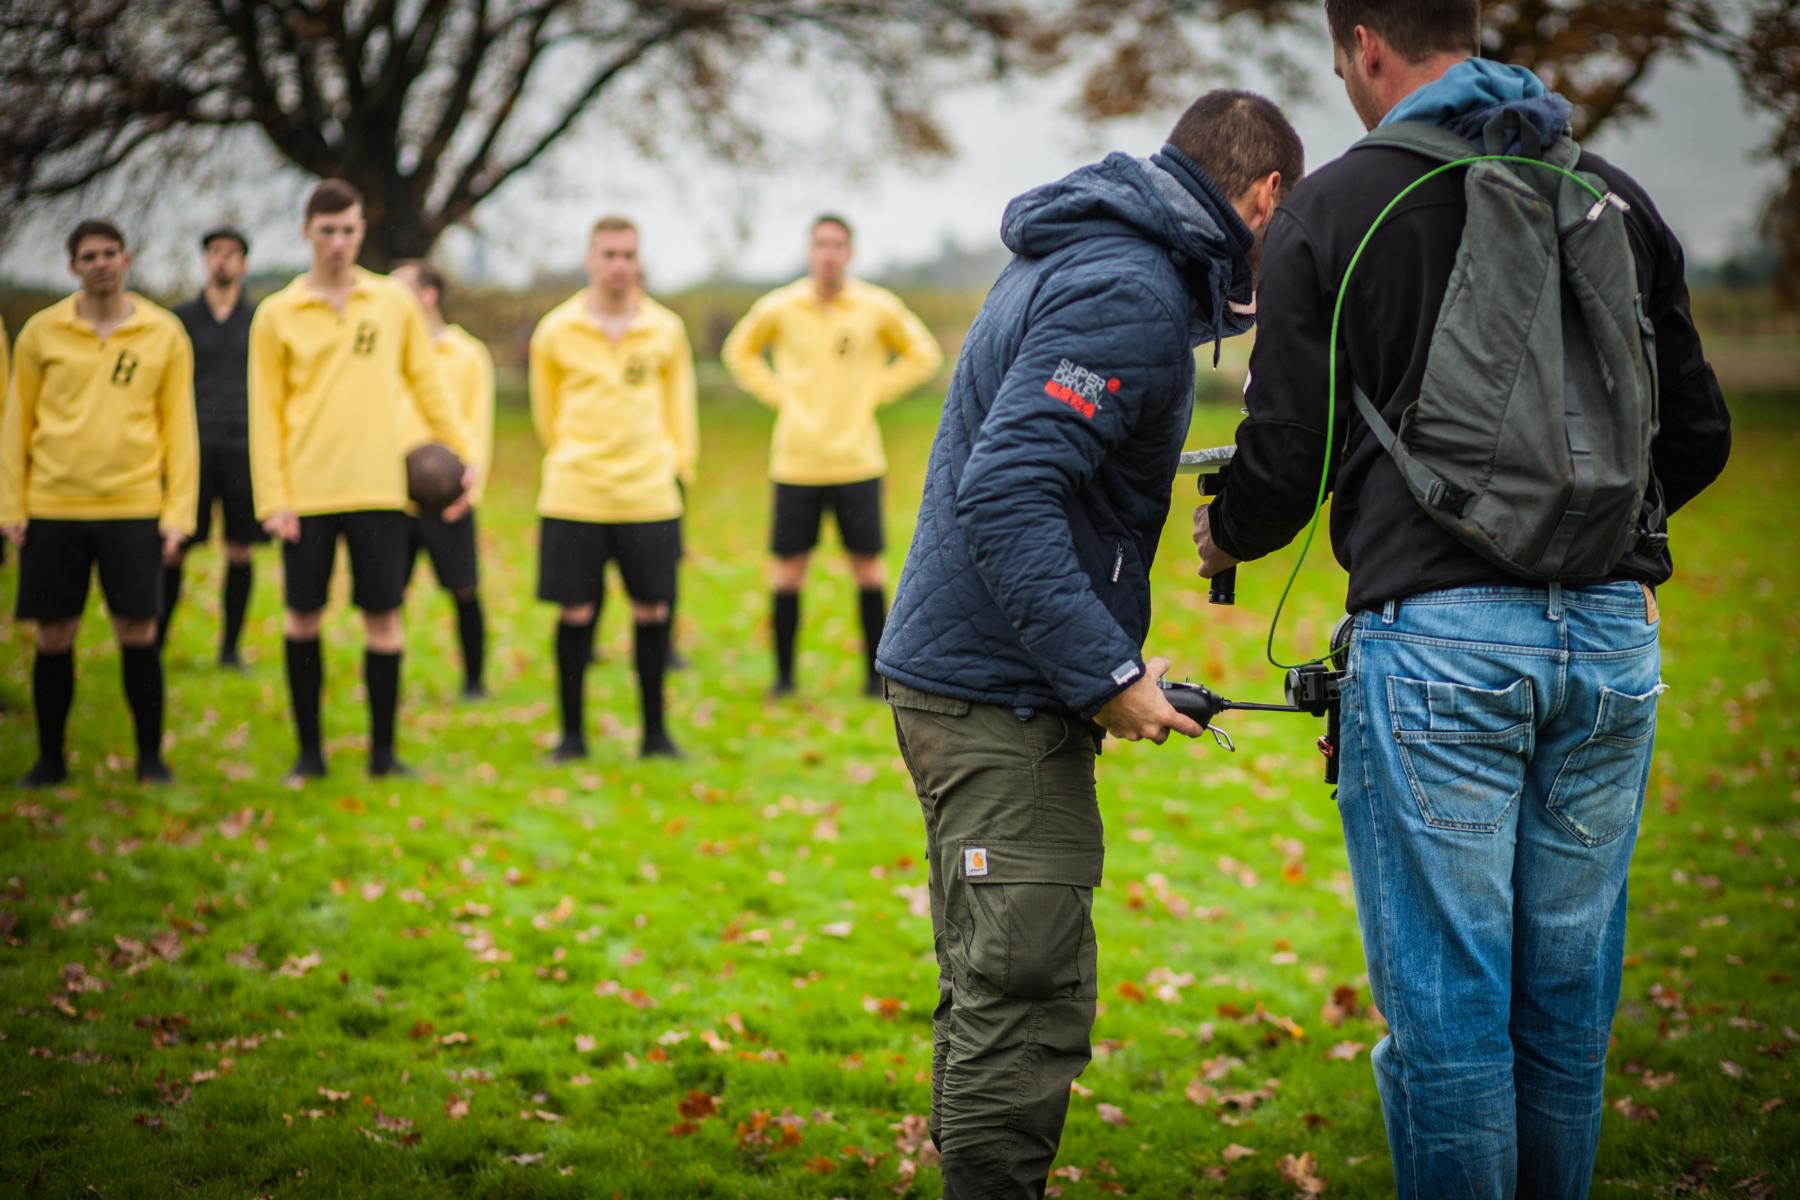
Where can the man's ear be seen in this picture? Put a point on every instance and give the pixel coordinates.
(1369, 51)
(1272, 189)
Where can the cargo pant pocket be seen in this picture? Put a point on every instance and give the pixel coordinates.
(1464, 749)
(1025, 919)
(1596, 793)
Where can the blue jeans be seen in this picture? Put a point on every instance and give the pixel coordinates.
(1496, 744)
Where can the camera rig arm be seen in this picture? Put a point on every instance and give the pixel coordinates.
(1313, 690)
(1210, 465)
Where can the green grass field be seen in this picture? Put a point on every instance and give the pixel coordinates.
(714, 978)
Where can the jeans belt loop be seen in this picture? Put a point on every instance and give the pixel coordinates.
(1389, 611)
(1555, 611)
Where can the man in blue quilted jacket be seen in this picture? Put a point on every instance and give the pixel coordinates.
(1017, 633)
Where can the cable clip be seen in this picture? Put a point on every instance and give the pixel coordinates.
(1612, 199)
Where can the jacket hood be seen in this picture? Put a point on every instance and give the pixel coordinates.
(1166, 200)
(1473, 92)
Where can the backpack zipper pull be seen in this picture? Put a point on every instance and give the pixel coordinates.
(1612, 199)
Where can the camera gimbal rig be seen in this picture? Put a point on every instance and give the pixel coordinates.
(1311, 689)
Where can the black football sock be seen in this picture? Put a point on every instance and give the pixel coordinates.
(52, 692)
(141, 668)
(787, 632)
(306, 679)
(471, 626)
(381, 679)
(171, 596)
(574, 645)
(873, 603)
(238, 578)
(650, 648)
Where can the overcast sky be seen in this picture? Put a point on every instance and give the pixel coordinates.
(700, 219)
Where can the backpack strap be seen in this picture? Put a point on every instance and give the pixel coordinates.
(1427, 485)
(1420, 137)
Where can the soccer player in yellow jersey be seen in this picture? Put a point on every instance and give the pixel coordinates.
(99, 466)
(333, 358)
(841, 349)
(448, 538)
(612, 397)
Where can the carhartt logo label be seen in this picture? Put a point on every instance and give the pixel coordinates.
(975, 861)
(1079, 388)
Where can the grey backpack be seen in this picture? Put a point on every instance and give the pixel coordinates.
(1530, 437)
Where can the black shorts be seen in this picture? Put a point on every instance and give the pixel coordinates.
(572, 557)
(378, 559)
(450, 546)
(59, 559)
(856, 507)
(225, 481)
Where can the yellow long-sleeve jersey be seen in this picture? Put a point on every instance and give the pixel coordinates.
(467, 371)
(617, 419)
(101, 430)
(329, 392)
(834, 365)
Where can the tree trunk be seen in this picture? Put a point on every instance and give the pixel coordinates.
(399, 226)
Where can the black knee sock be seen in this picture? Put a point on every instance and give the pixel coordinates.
(473, 630)
(171, 596)
(52, 692)
(381, 679)
(238, 578)
(306, 678)
(787, 632)
(141, 667)
(650, 647)
(873, 602)
(574, 646)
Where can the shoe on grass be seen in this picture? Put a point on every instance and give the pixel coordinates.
(310, 765)
(44, 774)
(569, 750)
(386, 766)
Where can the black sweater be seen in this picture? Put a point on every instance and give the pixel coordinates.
(221, 372)
(1379, 533)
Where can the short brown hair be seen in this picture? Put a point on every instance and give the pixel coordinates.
(429, 276)
(1238, 138)
(93, 227)
(1416, 29)
(332, 196)
(832, 219)
(612, 223)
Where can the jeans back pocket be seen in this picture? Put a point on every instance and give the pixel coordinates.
(1464, 749)
(1597, 791)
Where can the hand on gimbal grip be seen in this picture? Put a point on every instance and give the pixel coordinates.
(1141, 712)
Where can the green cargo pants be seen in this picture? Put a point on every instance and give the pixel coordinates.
(1013, 837)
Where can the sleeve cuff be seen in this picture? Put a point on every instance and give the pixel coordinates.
(1122, 677)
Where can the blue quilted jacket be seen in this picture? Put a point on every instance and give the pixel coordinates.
(1028, 581)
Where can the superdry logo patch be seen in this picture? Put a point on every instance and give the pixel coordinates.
(1079, 388)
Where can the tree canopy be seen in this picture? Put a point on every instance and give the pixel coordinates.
(432, 107)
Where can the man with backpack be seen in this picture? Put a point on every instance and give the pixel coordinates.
(1512, 333)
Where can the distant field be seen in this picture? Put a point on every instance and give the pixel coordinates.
(509, 979)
